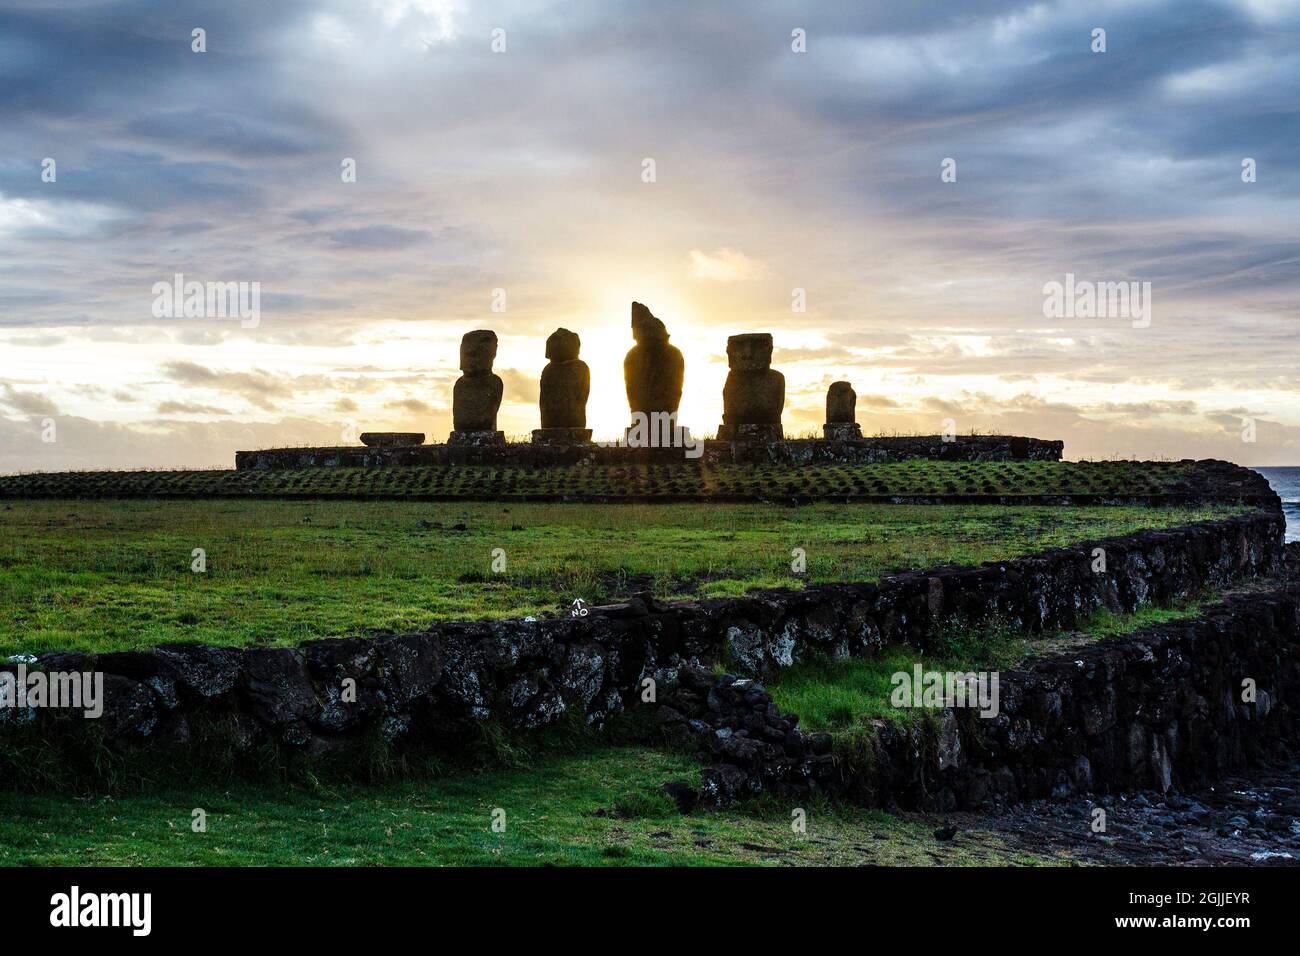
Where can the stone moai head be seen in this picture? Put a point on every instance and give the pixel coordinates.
(751, 352)
(563, 346)
(478, 350)
(841, 404)
(646, 328)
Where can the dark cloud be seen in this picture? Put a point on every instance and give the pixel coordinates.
(189, 408)
(257, 387)
(377, 237)
(27, 403)
(519, 386)
(413, 405)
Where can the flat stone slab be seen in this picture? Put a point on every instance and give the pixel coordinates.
(391, 439)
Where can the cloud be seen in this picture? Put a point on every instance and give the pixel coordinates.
(28, 403)
(519, 386)
(189, 408)
(723, 265)
(377, 237)
(412, 405)
(256, 387)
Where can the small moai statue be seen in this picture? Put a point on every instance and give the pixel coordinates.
(841, 413)
(754, 395)
(653, 372)
(476, 397)
(566, 383)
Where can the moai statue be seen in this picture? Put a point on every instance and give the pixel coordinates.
(476, 397)
(841, 413)
(566, 383)
(754, 395)
(653, 371)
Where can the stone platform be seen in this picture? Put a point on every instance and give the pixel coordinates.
(524, 454)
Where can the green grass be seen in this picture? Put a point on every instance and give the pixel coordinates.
(98, 575)
(672, 481)
(598, 808)
(1105, 623)
(841, 696)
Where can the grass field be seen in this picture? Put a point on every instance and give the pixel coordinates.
(681, 480)
(97, 575)
(603, 807)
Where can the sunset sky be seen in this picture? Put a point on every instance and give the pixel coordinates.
(522, 170)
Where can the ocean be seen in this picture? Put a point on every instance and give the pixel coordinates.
(1286, 482)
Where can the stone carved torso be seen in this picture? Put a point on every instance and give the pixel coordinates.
(654, 372)
(475, 400)
(564, 390)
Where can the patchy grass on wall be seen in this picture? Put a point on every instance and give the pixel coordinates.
(841, 696)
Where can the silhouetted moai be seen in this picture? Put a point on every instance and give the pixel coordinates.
(566, 383)
(754, 395)
(476, 397)
(653, 371)
(841, 413)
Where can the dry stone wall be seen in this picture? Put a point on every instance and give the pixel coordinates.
(429, 689)
(1163, 708)
(860, 451)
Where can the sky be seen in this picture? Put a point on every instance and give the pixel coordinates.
(916, 174)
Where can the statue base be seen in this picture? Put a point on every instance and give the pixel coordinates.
(561, 436)
(755, 434)
(392, 439)
(477, 439)
(842, 431)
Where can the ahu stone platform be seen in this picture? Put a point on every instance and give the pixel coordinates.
(859, 451)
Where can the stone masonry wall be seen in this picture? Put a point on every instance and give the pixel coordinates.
(863, 451)
(1158, 709)
(428, 688)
